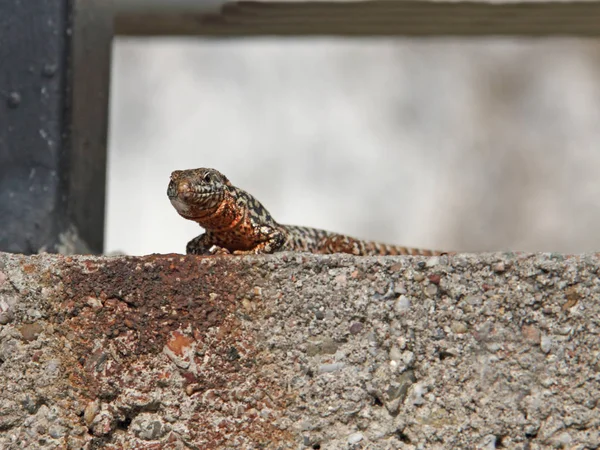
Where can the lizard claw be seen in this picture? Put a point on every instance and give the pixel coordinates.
(216, 250)
(245, 252)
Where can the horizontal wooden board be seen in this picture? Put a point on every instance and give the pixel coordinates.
(371, 18)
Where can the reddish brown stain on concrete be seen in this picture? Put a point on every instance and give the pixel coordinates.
(169, 322)
(30, 331)
(178, 343)
(28, 268)
(151, 296)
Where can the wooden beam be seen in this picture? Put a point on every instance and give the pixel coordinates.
(368, 18)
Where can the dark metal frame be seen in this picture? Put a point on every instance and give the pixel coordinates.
(54, 83)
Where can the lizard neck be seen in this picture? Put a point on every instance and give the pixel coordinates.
(236, 208)
(226, 215)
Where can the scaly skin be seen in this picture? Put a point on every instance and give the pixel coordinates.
(235, 222)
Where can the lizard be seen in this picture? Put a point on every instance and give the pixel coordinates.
(237, 223)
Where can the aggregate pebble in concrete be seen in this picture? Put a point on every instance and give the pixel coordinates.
(300, 351)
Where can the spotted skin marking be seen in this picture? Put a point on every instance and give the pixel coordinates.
(235, 222)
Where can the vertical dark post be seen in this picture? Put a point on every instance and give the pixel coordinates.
(54, 79)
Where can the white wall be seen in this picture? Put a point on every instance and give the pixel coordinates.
(434, 143)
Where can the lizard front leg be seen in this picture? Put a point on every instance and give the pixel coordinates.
(204, 245)
(272, 239)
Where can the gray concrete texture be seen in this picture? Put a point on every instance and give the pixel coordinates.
(300, 351)
(467, 145)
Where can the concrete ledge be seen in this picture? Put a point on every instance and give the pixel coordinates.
(300, 351)
(358, 18)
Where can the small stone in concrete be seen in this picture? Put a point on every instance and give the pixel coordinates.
(402, 304)
(399, 288)
(499, 267)
(57, 431)
(531, 334)
(327, 368)
(395, 354)
(417, 395)
(488, 442)
(90, 412)
(433, 261)
(408, 357)
(458, 327)
(474, 300)
(356, 327)
(563, 440)
(149, 428)
(31, 404)
(5, 316)
(30, 331)
(329, 346)
(355, 438)
(431, 290)
(546, 344)
(438, 334)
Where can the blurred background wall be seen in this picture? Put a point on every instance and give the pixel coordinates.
(464, 145)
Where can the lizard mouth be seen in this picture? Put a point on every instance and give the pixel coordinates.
(190, 201)
(185, 192)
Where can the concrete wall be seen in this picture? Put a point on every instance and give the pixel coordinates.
(300, 351)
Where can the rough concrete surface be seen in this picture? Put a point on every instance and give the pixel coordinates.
(300, 351)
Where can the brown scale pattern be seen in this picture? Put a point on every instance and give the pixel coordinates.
(236, 222)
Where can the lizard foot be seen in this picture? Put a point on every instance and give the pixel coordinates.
(216, 250)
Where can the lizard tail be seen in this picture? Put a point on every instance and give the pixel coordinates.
(338, 243)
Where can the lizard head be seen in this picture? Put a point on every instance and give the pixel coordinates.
(195, 191)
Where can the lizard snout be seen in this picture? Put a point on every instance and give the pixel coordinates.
(172, 189)
(179, 189)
